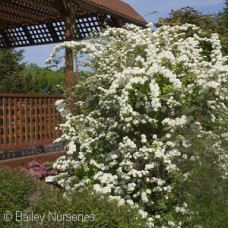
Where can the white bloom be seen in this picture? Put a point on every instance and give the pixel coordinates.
(139, 111)
(121, 202)
(143, 214)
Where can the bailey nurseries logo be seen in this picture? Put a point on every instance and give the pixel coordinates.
(25, 217)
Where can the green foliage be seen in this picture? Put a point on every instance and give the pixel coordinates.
(17, 77)
(206, 190)
(17, 191)
(10, 68)
(188, 15)
(100, 212)
(209, 23)
(44, 80)
(225, 9)
(222, 27)
(22, 192)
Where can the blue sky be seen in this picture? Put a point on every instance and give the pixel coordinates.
(38, 54)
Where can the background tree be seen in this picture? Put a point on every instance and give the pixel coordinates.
(209, 23)
(222, 27)
(225, 8)
(18, 77)
(10, 69)
(188, 15)
(44, 79)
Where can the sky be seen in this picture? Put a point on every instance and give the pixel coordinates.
(38, 54)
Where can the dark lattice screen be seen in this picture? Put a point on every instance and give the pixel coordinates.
(2, 42)
(16, 36)
(87, 25)
(48, 33)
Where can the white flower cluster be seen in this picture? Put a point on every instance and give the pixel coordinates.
(147, 91)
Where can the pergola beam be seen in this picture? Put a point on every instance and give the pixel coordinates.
(29, 22)
(69, 18)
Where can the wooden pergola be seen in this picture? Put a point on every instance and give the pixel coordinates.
(35, 22)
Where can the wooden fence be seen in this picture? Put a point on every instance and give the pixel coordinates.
(27, 120)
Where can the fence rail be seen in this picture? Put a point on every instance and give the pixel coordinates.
(27, 120)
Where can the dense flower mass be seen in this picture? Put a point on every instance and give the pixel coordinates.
(149, 96)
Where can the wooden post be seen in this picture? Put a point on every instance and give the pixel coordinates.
(69, 19)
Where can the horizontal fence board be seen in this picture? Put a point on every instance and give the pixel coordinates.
(28, 120)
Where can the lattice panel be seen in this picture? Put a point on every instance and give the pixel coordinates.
(27, 121)
(59, 28)
(2, 42)
(48, 33)
(16, 36)
(39, 34)
(88, 25)
(30, 22)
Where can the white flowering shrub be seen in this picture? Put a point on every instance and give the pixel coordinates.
(150, 95)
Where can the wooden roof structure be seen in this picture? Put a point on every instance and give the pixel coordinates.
(35, 22)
